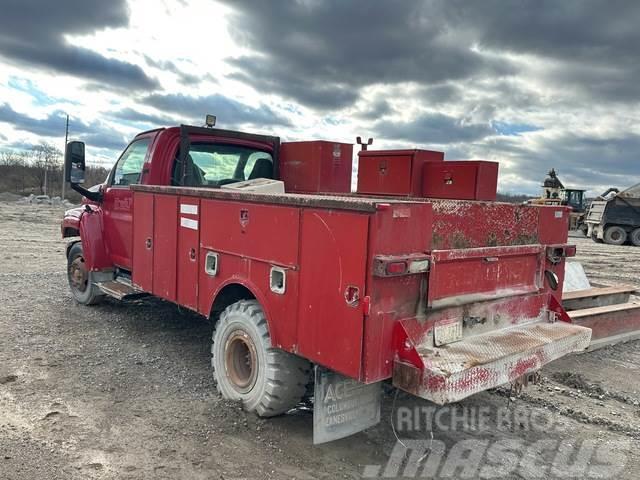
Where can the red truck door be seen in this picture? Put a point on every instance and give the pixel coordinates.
(118, 201)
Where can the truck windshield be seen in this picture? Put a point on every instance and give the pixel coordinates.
(213, 165)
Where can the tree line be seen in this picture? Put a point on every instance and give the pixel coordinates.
(39, 171)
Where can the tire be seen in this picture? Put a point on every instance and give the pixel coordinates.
(267, 380)
(635, 237)
(615, 235)
(80, 283)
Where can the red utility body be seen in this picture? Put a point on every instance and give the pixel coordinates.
(376, 287)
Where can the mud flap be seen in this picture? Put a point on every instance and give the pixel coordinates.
(343, 406)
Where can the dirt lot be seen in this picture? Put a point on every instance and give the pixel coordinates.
(125, 391)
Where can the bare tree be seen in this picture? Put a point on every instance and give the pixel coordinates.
(47, 160)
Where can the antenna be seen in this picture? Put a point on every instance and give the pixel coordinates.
(363, 145)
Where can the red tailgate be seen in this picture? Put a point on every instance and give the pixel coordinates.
(470, 275)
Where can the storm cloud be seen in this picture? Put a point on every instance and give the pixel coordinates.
(32, 34)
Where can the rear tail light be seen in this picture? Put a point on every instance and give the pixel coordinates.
(396, 268)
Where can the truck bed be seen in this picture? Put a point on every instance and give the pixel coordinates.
(328, 201)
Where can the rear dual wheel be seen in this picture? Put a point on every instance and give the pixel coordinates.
(615, 235)
(635, 237)
(247, 368)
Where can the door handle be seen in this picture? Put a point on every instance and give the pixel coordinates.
(192, 254)
(147, 243)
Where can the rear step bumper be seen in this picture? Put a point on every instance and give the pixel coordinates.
(458, 370)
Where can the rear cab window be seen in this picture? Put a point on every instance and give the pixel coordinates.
(213, 165)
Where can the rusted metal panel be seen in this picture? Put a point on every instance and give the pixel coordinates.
(165, 239)
(143, 247)
(260, 232)
(465, 224)
(472, 275)
(393, 232)
(333, 255)
(486, 361)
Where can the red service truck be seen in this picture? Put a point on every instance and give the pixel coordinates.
(419, 278)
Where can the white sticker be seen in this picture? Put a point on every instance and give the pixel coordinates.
(188, 209)
(559, 214)
(188, 223)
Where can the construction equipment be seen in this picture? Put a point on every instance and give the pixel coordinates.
(555, 193)
(614, 217)
(402, 281)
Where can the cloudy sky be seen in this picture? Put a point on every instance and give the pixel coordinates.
(532, 84)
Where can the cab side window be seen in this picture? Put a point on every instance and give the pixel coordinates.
(129, 167)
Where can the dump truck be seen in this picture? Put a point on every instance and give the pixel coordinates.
(614, 217)
(419, 278)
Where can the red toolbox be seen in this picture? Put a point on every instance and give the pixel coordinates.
(460, 180)
(394, 172)
(316, 166)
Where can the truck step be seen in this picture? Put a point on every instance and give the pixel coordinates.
(610, 324)
(121, 290)
(457, 370)
(597, 297)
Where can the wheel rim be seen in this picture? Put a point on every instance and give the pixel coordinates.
(78, 275)
(241, 361)
(616, 236)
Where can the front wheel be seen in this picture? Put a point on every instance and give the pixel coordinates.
(79, 277)
(267, 380)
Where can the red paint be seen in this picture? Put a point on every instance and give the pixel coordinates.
(316, 166)
(394, 172)
(335, 311)
(461, 180)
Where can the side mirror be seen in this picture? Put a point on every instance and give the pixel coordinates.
(74, 163)
(74, 167)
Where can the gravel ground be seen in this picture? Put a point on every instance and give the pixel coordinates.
(124, 391)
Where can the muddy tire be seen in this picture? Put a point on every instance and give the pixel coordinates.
(635, 237)
(80, 283)
(267, 380)
(615, 235)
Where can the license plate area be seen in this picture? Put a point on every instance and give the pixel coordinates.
(445, 333)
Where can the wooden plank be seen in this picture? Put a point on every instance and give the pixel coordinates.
(589, 312)
(596, 292)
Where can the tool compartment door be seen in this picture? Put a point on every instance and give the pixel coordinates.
(333, 252)
(142, 271)
(469, 275)
(188, 251)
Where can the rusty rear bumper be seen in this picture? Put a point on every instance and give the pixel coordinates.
(455, 371)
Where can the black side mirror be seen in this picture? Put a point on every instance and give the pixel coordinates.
(74, 163)
(74, 167)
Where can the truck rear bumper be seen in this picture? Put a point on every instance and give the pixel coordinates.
(455, 371)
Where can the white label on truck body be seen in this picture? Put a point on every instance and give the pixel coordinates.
(189, 223)
(188, 209)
